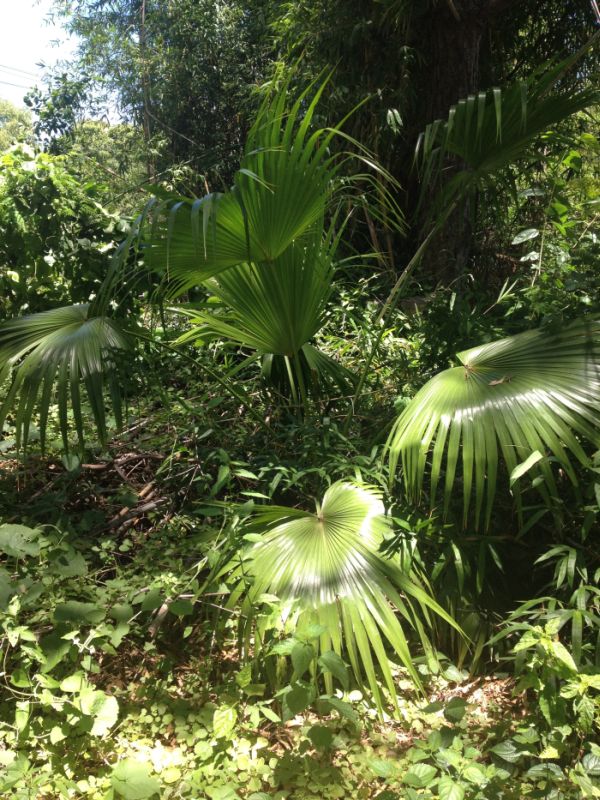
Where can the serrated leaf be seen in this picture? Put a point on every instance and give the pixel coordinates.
(383, 767)
(455, 709)
(540, 771)
(475, 773)
(320, 736)
(343, 708)
(507, 752)
(298, 699)
(591, 764)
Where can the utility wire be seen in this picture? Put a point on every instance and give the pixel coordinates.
(18, 85)
(16, 69)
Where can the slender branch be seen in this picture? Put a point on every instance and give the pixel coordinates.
(388, 307)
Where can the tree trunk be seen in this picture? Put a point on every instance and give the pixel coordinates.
(451, 38)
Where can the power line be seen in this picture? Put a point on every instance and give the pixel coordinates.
(18, 85)
(16, 69)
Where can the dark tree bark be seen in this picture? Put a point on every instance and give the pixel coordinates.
(453, 40)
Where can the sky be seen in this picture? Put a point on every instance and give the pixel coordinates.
(26, 39)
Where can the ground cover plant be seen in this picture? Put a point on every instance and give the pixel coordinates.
(289, 510)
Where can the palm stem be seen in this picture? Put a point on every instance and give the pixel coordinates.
(388, 307)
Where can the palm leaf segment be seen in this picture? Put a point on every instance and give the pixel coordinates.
(328, 563)
(262, 249)
(48, 356)
(534, 393)
(489, 131)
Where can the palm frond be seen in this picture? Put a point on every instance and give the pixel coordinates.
(273, 306)
(489, 131)
(44, 359)
(281, 191)
(328, 564)
(537, 392)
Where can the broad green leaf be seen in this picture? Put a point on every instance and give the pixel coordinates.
(591, 764)
(320, 736)
(331, 662)
(83, 613)
(181, 608)
(302, 657)
(448, 789)
(541, 771)
(560, 652)
(102, 707)
(224, 720)
(19, 541)
(344, 709)
(57, 735)
(507, 752)
(298, 699)
(383, 767)
(74, 683)
(22, 714)
(121, 612)
(475, 773)
(420, 776)
(455, 709)
(14, 771)
(132, 780)
(69, 565)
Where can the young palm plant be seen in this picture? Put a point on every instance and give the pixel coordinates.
(325, 567)
(266, 250)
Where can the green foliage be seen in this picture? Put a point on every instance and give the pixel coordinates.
(62, 348)
(15, 125)
(521, 398)
(491, 131)
(164, 632)
(326, 571)
(54, 233)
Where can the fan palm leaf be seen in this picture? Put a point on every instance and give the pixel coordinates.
(328, 563)
(281, 191)
(46, 357)
(490, 131)
(274, 306)
(530, 396)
